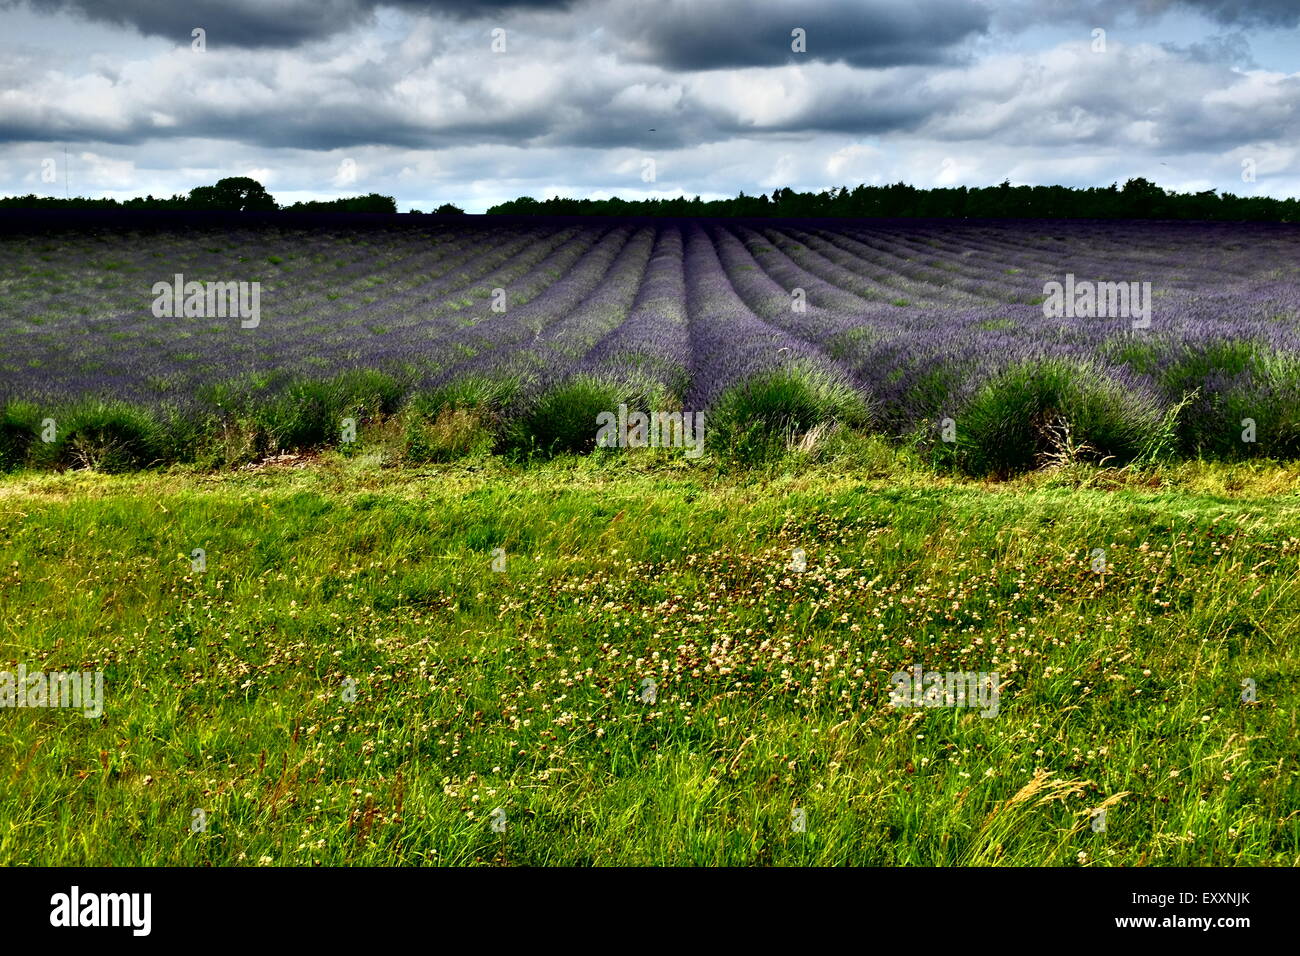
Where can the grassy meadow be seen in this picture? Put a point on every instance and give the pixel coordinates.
(612, 659)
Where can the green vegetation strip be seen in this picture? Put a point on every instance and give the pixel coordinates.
(348, 679)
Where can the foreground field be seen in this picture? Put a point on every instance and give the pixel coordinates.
(934, 334)
(349, 680)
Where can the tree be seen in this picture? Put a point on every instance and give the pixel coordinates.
(447, 209)
(371, 202)
(1141, 197)
(236, 192)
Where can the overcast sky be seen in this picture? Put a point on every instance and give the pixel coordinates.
(418, 100)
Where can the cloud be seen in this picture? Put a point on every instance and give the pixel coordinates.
(253, 24)
(1141, 98)
(435, 93)
(588, 90)
(857, 162)
(1229, 48)
(695, 35)
(1268, 13)
(1233, 13)
(229, 23)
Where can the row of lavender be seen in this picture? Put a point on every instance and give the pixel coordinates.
(917, 319)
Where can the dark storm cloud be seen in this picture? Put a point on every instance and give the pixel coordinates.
(470, 9)
(691, 35)
(295, 126)
(1234, 13)
(1271, 13)
(233, 23)
(251, 24)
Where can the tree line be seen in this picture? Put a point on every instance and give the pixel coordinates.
(1138, 199)
(236, 193)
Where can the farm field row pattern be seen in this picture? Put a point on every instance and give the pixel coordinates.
(917, 318)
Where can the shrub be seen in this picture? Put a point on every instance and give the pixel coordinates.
(302, 413)
(454, 433)
(765, 416)
(368, 394)
(1235, 386)
(1053, 410)
(486, 396)
(19, 423)
(1253, 413)
(1195, 365)
(106, 436)
(562, 418)
(306, 413)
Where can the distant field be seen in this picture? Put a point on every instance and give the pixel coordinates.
(932, 334)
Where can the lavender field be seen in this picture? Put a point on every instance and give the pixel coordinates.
(931, 333)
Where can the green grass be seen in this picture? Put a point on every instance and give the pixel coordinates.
(350, 682)
(996, 325)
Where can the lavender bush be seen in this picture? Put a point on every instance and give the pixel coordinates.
(935, 332)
